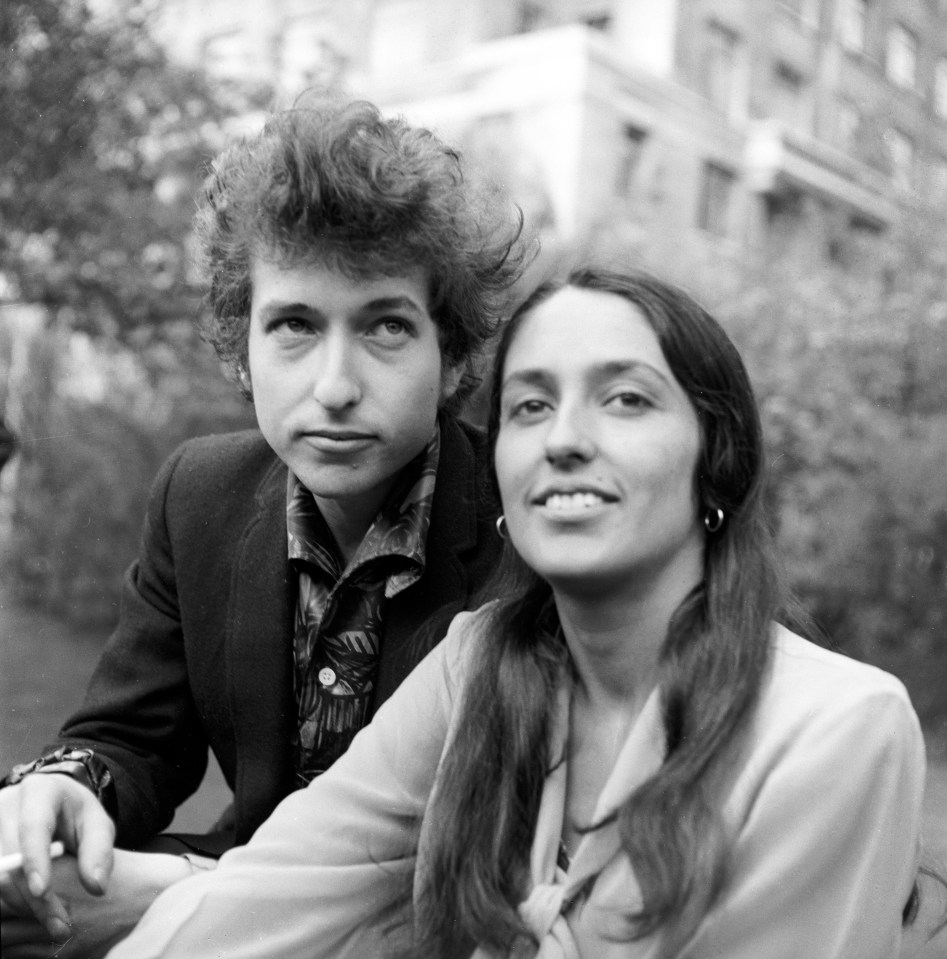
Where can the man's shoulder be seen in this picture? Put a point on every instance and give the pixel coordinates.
(225, 454)
(222, 463)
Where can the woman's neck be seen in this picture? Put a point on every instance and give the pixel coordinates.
(615, 651)
(616, 637)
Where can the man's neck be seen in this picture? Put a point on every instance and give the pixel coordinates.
(351, 518)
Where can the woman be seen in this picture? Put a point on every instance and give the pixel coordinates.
(623, 756)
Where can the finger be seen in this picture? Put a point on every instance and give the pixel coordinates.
(48, 914)
(16, 896)
(37, 824)
(52, 914)
(96, 843)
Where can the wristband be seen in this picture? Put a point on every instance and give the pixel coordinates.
(79, 764)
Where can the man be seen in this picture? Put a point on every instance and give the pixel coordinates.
(288, 579)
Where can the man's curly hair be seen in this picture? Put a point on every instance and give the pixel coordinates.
(331, 181)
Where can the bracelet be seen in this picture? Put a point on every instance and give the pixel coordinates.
(80, 764)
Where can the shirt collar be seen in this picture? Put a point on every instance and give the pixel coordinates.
(398, 531)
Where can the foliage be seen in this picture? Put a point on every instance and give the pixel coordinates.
(87, 457)
(851, 370)
(105, 142)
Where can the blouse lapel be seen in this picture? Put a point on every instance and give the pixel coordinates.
(553, 890)
(640, 758)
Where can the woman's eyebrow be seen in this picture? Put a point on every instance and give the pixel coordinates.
(527, 377)
(596, 373)
(612, 368)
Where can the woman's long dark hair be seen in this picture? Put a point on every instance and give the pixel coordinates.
(711, 668)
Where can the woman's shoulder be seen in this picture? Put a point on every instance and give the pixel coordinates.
(811, 684)
(817, 671)
(822, 715)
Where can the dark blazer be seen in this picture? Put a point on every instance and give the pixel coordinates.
(202, 655)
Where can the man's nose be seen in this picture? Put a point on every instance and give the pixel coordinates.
(337, 382)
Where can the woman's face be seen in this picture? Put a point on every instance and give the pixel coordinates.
(597, 450)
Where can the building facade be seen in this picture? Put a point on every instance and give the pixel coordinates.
(684, 128)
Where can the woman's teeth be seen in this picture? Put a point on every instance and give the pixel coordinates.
(573, 501)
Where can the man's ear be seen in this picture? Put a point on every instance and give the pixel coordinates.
(450, 379)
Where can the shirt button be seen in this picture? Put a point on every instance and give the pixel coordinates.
(327, 676)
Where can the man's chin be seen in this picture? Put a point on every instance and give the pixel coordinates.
(345, 487)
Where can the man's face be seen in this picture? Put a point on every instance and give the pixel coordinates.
(347, 378)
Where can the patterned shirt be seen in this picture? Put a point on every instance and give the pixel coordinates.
(340, 609)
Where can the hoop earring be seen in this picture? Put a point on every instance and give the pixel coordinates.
(501, 527)
(713, 519)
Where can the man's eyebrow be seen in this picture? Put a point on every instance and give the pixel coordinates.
(392, 303)
(285, 308)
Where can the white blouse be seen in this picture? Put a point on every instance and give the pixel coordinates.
(823, 810)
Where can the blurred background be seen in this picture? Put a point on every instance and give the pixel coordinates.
(786, 160)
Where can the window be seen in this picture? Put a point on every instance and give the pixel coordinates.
(600, 22)
(529, 16)
(940, 87)
(716, 192)
(718, 78)
(788, 88)
(847, 121)
(632, 146)
(901, 62)
(901, 151)
(853, 23)
(493, 143)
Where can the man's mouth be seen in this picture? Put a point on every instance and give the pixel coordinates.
(339, 436)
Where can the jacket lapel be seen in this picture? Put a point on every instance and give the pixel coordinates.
(417, 618)
(259, 660)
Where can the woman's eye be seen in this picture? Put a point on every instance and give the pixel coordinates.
(627, 400)
(527, 408)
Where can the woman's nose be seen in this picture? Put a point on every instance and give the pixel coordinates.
(337, 384)
(569, 438)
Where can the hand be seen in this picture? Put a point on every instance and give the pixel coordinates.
(43, 807)
(93, 923)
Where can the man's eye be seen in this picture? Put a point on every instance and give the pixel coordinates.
(291, 325)
(392, 326)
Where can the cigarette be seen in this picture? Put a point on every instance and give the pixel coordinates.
(14, 860)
